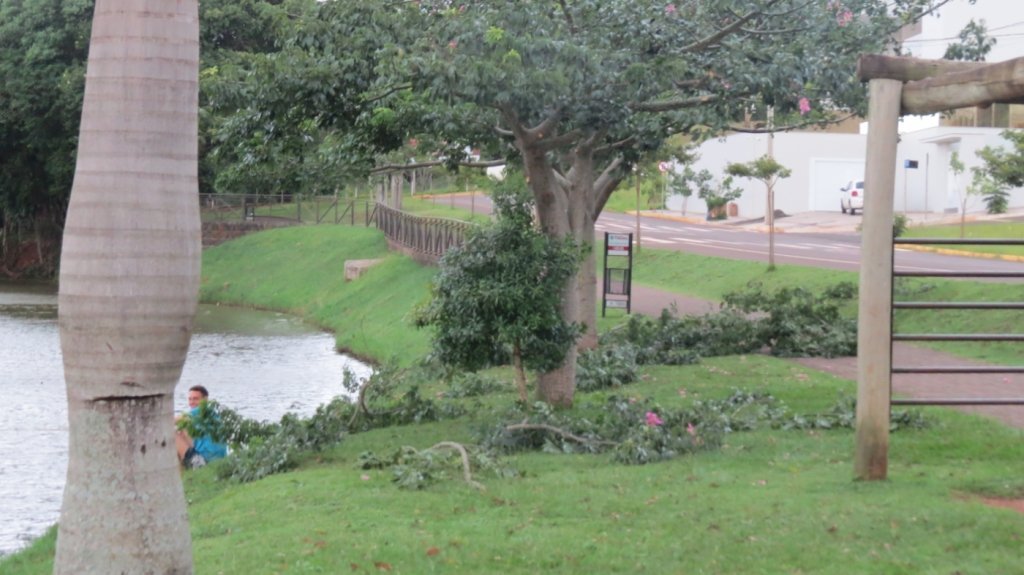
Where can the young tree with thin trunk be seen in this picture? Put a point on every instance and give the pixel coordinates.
(768, 171)
(497, 296)
(963, 194)
(129, 281)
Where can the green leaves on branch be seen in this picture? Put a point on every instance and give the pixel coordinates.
(498, 297)
(790, 322)
(641, 432)
(795, 322)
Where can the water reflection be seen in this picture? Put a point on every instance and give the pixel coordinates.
(261, 364)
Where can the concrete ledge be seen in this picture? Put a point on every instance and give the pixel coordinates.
(356, 268)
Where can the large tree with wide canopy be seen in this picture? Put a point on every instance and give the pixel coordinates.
(579, 90)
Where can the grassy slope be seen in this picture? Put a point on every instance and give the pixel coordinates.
(301, 270)
(770, 502)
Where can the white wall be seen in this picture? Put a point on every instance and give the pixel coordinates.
(821, 163)
(804, 153)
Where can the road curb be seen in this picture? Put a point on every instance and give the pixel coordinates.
(964, 253)
(672, 217)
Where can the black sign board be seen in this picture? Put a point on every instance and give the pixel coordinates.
(617, 278)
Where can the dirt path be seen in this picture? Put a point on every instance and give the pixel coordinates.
(650, 301)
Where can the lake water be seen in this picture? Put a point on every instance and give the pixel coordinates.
(261, 364)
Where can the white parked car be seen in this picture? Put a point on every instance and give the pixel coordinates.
(853, 197)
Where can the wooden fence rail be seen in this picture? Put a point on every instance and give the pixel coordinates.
(423, 238)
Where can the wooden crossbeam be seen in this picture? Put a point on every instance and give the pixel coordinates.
(939, 85)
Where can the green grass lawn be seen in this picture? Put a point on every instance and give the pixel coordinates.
(975, 230)
(770, 501)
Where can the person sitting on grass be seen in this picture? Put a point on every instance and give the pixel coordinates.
(195, 453)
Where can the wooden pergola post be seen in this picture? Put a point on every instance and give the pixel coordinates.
(901, 86)
(874, 349)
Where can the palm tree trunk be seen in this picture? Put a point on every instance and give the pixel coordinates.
(128, 290)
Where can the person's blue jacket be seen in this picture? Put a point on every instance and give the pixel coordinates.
(204, 444)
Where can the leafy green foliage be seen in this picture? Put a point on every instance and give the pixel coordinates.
(899, 225)
(472, 384)
(43, 47)
(973, 45)
(1006, 166)
(499, 294)
(796, 322)
(715, 193)
(765, 169)
(843, 415)
(994, 194)
(389, 397)
(670, 340)
(640, 432)
(606, 367)
(789, 322)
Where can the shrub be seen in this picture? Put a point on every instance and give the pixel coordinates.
(472, 385)
(606, 367)
(899, 225)
(795, 322)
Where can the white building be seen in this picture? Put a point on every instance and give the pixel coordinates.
(821, 162)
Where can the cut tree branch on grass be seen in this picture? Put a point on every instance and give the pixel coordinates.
(360, 404)
(467, 473)
(561, 432)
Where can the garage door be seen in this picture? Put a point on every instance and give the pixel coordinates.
(827, 176)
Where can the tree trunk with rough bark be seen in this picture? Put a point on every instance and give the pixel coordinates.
(129, 281)
(517, 363)
(568, 206)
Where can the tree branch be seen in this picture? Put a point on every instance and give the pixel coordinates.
(606, 183)
(791, 127)
(402, 167)
(561, 432)
(466, 470)
(674, 103)
(711, 39)
(565, 139)
(546, 126)
(568, 17)
(390, 91)
(615, 145)
(563, 182)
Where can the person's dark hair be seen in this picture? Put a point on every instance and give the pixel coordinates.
(200, 389)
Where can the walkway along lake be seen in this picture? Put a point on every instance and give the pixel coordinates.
(262, 364)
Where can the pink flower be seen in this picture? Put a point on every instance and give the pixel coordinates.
(691, 429)
(653, 420)
(670, 9)
(805, 106)
(453, 44)
(844, 18)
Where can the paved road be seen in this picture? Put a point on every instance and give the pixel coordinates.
(832, 243)
(822, 249)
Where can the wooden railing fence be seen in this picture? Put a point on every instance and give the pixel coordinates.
(427, 238)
